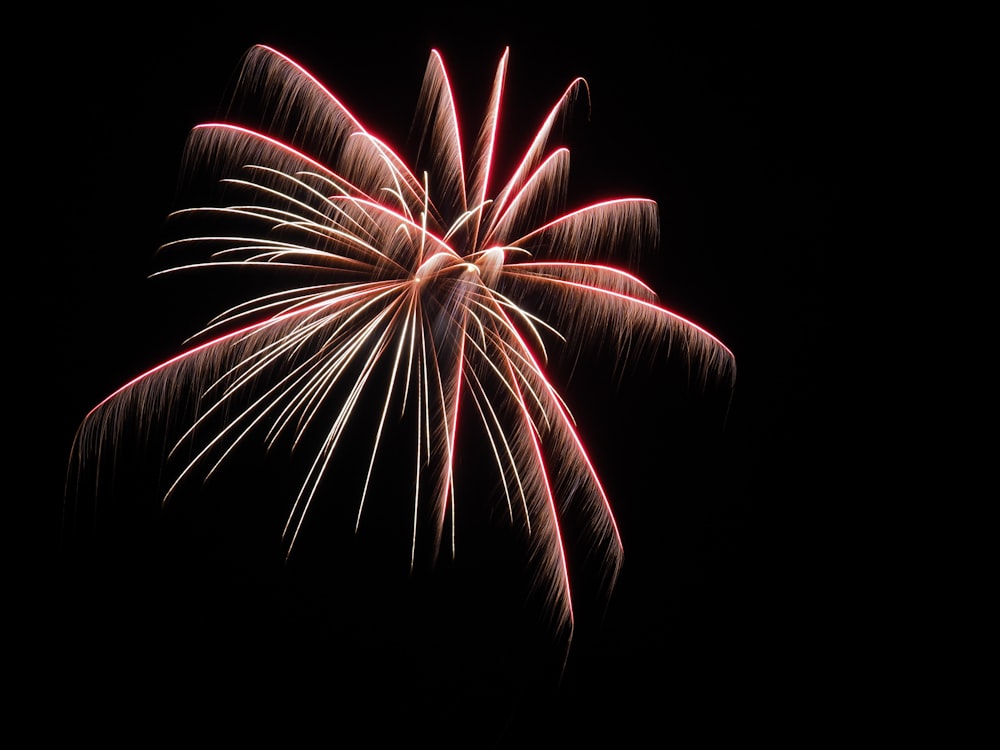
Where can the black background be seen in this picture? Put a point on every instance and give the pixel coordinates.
(728, 620)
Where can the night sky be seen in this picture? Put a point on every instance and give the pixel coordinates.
(725, 622)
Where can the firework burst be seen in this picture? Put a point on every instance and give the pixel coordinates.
(405, 297)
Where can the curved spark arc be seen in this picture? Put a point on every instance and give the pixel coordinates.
(519, 379)
(482, 164)
(441, 139)
(535, 154)
(430, 295)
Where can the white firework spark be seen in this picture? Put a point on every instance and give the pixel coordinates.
(427, 292)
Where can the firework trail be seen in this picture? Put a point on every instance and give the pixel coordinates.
(420, 293)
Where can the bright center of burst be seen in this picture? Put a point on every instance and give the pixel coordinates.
(487, 265)
(439, 262)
